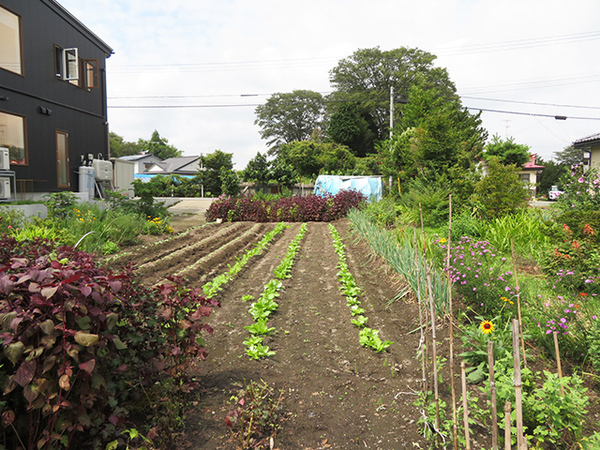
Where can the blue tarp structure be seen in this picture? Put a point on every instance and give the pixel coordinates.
(371, 187)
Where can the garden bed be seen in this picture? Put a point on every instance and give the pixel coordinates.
(335, 393)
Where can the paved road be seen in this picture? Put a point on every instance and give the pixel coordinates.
(180, 206)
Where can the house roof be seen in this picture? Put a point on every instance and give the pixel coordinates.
(173, 165)
(531, 165)
(138, 157)
(77, 24)
(587, 139)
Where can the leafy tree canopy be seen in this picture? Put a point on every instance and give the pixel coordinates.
(507, 151)
(120, 147)
(553, 174)
(433, 136)
(347, 126)
(368, 74)
(501, 191)
(289, 117)
(569, 156)
(311, 158)
(210, 176)
(159, 147)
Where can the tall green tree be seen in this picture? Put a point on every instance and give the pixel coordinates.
(311, 158)
(552, 174)
(501, 191)
(434, 137)
(569, 156)
(159, 146)
(347, 126)
(120, 147)
(210, 175)
(289, 117)
(257, 170)
(368, 75)
(507, 151)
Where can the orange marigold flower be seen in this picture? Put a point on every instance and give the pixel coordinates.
(588, 230)
(583, 294)
(576, 245)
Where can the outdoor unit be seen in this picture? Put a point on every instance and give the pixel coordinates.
(103, 169)
(4, 160)
(4, 188)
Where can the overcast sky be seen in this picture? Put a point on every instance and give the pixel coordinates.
(216, 60)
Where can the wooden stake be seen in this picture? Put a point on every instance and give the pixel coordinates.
(436, 393)
(463, 377)
(512, 253)
(422, 343)
(507, 425)
(557, 351)
(521, 444)
(451, 330)
(490, 351)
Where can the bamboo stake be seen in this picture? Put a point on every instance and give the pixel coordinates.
(557, 351)
(436, 394)
(451, 331)
(521, 444)
(463, 376)
(512, 253)
(507, 425)
(422, 338)
(490, 350)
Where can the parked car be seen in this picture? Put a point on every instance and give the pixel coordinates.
(554, 193)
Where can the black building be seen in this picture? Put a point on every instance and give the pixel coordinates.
(52, 94)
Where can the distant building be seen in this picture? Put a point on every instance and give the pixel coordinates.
(181, 165)
(590, 145)
(530, 173)
(52, 94)
(142, 162)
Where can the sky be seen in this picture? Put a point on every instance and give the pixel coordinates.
(195, 70)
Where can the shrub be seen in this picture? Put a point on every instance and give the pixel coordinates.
(313, 208)
(82, 346)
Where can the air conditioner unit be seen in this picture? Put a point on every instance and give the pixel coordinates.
(4, 188)
(4, 159)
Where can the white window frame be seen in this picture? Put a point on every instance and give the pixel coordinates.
(70, 64)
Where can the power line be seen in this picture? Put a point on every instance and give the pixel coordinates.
(530, 103)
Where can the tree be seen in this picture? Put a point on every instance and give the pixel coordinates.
(569, 156)
(230, 182)
(347, 126)
(159, 147)
(283, 174)
(507, 151)
(368, 74)
(289, 117)
(119, 147)
(434, 137)
(552, 175)
(501, 191)
(210, 176)
(311, 158)
(257, 170)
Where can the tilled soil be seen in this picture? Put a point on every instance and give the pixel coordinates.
(337, 394)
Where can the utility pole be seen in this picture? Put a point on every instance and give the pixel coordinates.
(391, 111)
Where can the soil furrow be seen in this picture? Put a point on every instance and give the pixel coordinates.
(206, 262)
(338, 394)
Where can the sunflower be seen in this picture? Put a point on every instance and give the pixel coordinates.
(486, 326)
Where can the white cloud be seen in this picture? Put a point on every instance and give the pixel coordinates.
(294, 44)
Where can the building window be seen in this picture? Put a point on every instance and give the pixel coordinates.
(67, 64)
(90, 73)
(62, 159)
(79, 72)
(10, 42)
(12, 136)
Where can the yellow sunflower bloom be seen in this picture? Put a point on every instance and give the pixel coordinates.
(486, 327)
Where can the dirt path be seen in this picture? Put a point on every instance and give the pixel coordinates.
(337, 394)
